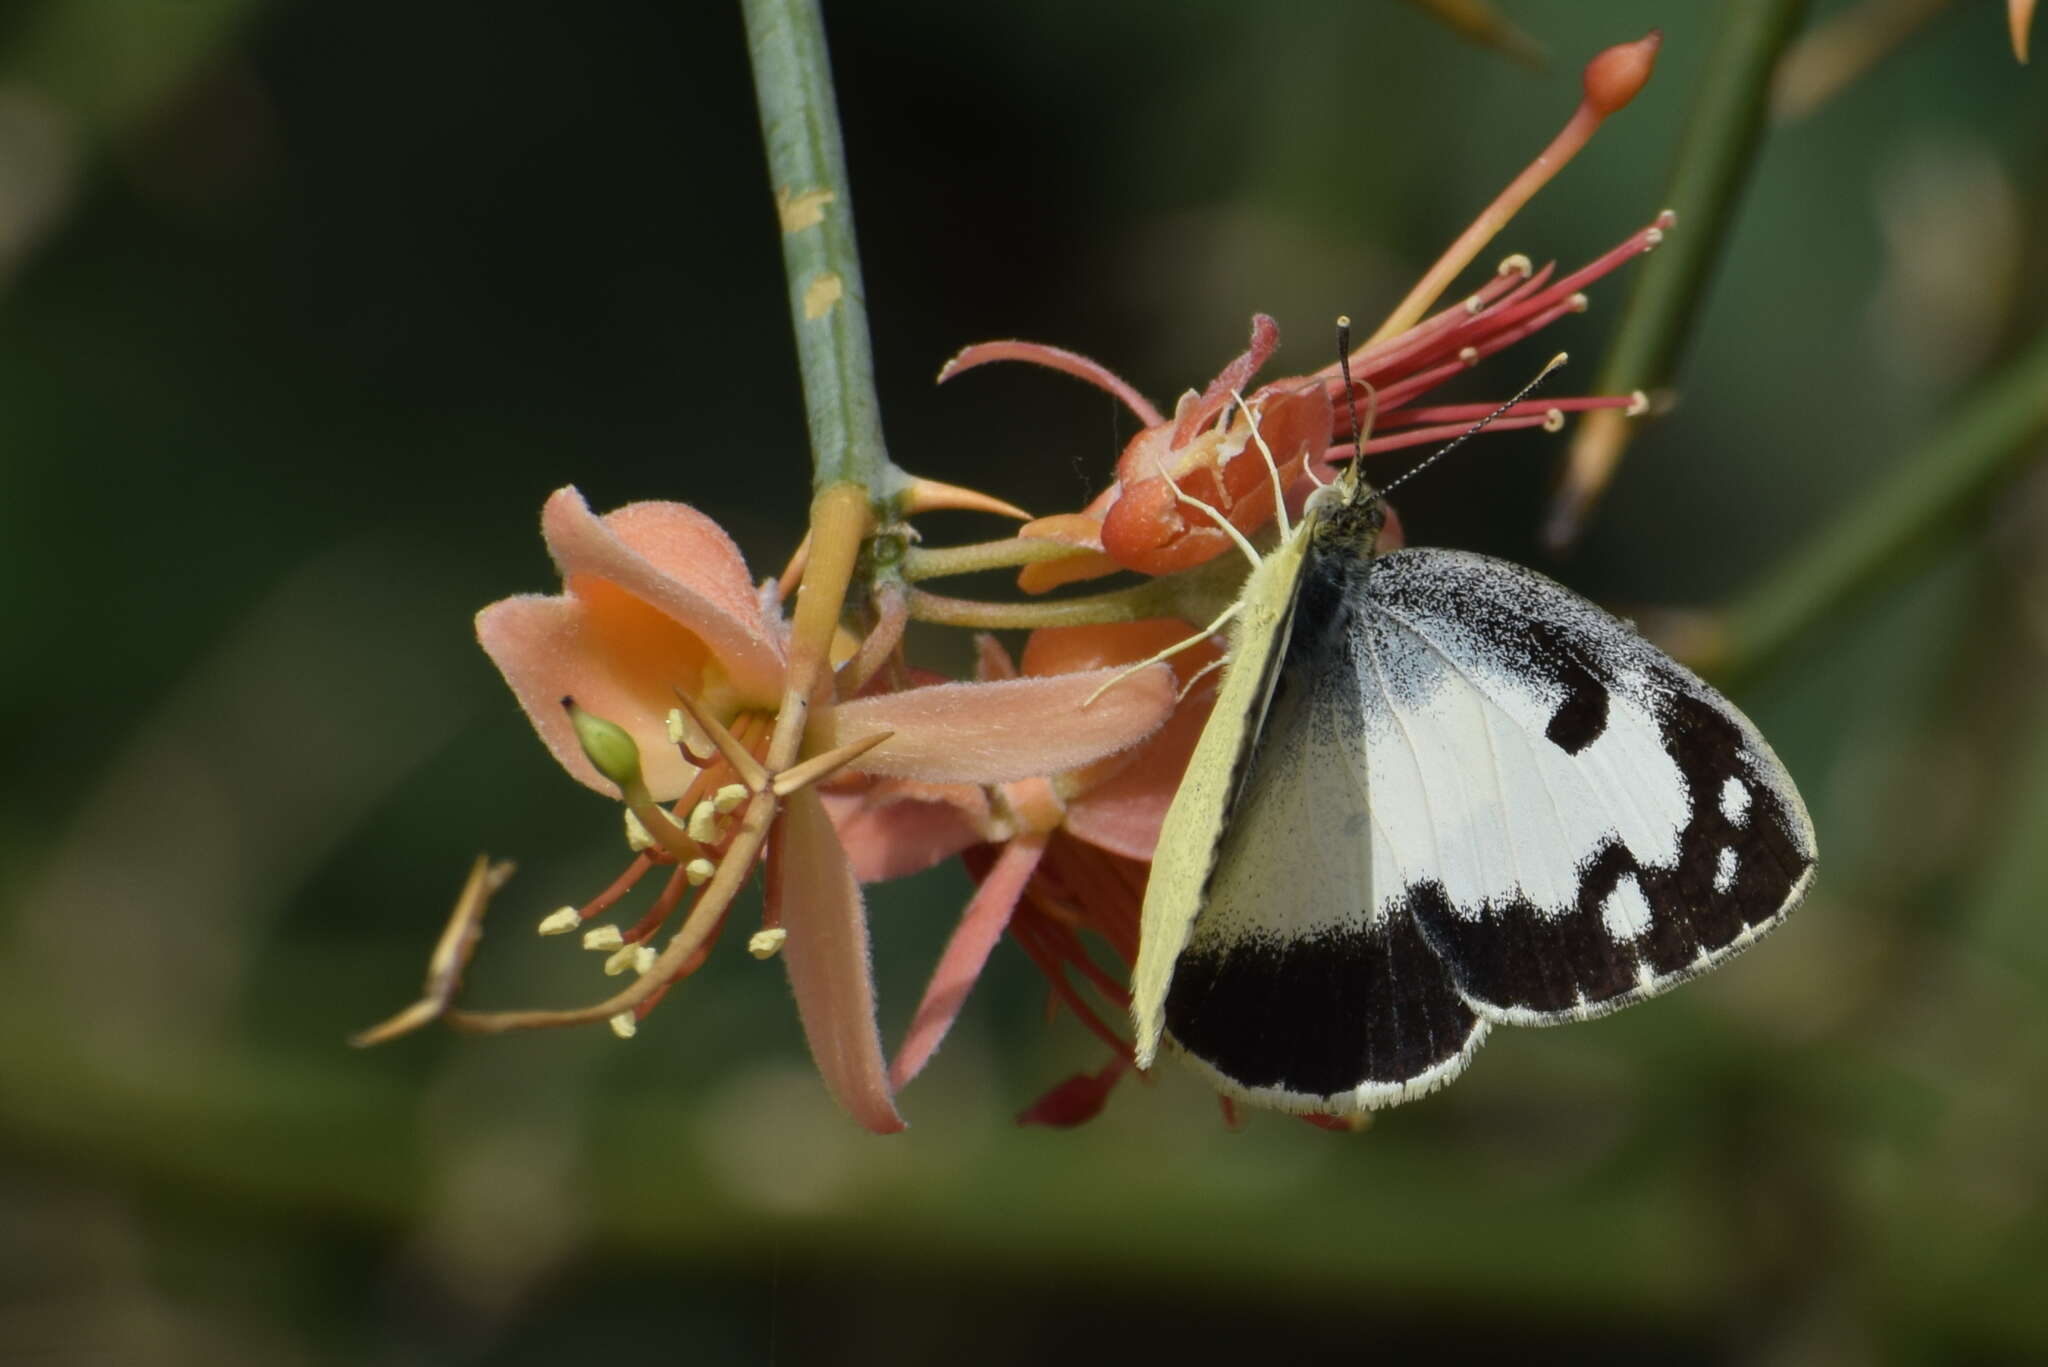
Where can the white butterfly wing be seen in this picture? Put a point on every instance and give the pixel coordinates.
(1572, 820)
(1295, 990)
(1474, 798)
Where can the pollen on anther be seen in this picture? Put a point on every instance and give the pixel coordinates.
(561, 922)
(684, 731)
(703, 825)
(621, 960)
(1577, 303)
(1553, 420)
(766, 944)
(1518, 264)
(1652, 237)
(1473, 303)
(1469, 355)
(624, 1026)
(603, 939)
(1638, 404)
(643, 959)
(637, 838)
(728, 798)
(698, 872)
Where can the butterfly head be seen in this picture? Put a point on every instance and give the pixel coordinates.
(1347, 512)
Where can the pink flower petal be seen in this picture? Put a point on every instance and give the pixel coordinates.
(1124, 813)
(810, 886)
(1007, 730)
(1235, 376)
(542, 646)
(897, 837)
(658, 599)
(1056, 358)
(981, 925)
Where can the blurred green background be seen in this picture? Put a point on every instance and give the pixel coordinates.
(305, 307)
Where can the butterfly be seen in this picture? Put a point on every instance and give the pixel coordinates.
(1440, 792)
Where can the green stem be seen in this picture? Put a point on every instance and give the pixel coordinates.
(1986, 443)
(940, 562)
(1195, 595)
(827, 302)
(1124, 605)
(1722, 131)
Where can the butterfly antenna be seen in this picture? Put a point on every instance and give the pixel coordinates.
(1372, 401)
(1476, 428)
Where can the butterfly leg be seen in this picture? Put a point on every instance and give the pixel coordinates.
(1204, 672)
(1251, 552)
(1222, 620)
(1272, 466)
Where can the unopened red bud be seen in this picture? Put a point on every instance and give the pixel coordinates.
(1616, 76)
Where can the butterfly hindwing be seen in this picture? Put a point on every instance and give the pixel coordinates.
(1572, 820)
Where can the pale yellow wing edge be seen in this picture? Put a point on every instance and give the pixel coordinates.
(1193, 827)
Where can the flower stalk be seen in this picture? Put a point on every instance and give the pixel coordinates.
(814, 205)
(1723, 132)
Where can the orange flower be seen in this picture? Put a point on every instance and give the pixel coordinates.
(657, 603)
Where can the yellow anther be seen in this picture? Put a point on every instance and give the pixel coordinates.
(603, 939)
(703, 827)
(644, 958)
(621, 960)
(728, 798)
(560, 922)
(766, 944)
(624, 1026)
(1518, 264)
(698, 872)
(1553, 420)
(1638, 404)
(637, 838)
(684, 731)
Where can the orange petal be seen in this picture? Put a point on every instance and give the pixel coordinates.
(658, 599)
(1069, 529)
(1008, 730)
(1052, 574)
(981, 925)
(1080, 530)
(1149, 530)
(679, 561)
(812, 895)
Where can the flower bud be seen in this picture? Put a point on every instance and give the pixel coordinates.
(1616, 76)
(609, 748)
